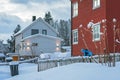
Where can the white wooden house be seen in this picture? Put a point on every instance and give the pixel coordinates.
(39, 37)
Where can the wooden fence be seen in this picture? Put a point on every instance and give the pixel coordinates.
(47, 64)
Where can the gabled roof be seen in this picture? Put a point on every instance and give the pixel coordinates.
(33, 23)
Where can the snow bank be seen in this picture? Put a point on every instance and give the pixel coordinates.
(55, 55)
(62, 55)
(78, 71)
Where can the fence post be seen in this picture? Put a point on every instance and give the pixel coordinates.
(58, 63)
(38, 66)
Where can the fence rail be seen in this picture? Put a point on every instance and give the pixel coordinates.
(47, 64)
(29, 60)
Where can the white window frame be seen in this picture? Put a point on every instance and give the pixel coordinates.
(75, 9)
(96, 4)
(75, 36)
(96, 32)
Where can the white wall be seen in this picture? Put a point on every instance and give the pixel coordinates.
(46, 45)
(39, 24)
(18, 39)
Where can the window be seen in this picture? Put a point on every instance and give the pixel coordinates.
(75, 9)
(44, 32)
(75, 36)
(34, 44)
(34, 31)
(96, 32)
(96, 4)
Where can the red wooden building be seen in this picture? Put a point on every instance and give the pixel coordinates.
(95, 26)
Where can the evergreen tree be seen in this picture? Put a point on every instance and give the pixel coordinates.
(11, 41)
(48, 18)
(18, 28)
(63, 27)
(64, 32)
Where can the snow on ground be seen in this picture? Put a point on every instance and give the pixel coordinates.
(4, 72)
(27, 68)
(78, 71)
(23, 69)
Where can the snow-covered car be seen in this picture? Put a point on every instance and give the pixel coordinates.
(8, 59)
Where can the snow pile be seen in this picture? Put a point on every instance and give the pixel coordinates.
(67, 48)
(45, 56)
(78, 71)
(55, 55)
(62, 55)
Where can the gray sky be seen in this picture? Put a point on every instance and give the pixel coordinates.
(13, 12)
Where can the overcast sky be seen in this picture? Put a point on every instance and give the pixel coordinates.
(13, 12)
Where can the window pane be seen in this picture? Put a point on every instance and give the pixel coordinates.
(34, 31)
(96, 32)
(44, 32)
(75, 36)
(75, 9)
(96, 3)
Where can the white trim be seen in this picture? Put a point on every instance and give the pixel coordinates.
(40, 35)
(96, 5)
(75, 36)
(94, 25)
(75, 9)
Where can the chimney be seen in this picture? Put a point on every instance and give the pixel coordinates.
(33, 18)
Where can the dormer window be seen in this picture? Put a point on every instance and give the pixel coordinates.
(75, 9)
(96, 4)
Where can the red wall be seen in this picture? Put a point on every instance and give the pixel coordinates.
(112, 11)
(86, 14)
(108, 10)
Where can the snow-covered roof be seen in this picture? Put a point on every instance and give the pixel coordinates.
(33, 23)
(41, 35)
(12, 54)
(8, 58)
